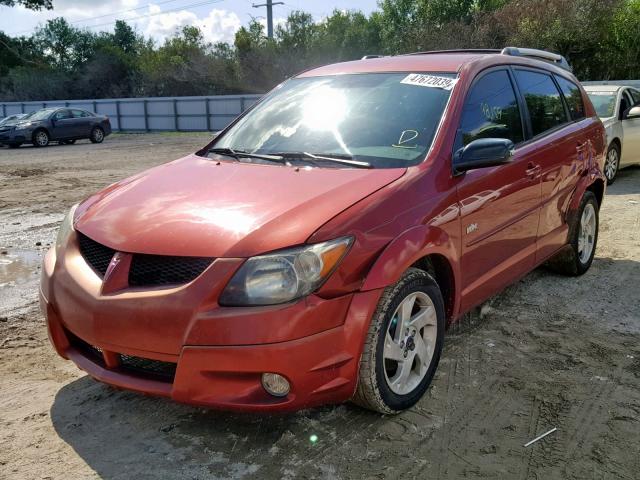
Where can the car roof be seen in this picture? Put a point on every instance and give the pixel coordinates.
(430, 62)
(452, 61)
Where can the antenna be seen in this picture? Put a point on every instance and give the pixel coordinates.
(269, 6)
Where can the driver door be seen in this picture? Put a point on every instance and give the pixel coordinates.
(631, 130)
(499, 206)
(62, 124)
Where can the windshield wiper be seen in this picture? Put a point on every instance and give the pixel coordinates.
(238, 154)
(330, 157)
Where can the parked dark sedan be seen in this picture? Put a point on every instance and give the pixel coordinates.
(64, 125)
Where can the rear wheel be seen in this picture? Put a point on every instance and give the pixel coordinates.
(40, 138)
(612, 163)
(578, 256)
(97, 135)
(403, 345)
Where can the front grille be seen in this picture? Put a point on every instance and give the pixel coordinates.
(164, 371)
(96, 254)
(150, 270)
(91, 352)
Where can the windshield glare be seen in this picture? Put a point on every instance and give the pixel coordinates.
(604, 103)
(39, 114)
(375, 118)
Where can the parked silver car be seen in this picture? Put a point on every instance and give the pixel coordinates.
(619, 108)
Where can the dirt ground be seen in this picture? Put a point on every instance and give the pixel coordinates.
(548, 352)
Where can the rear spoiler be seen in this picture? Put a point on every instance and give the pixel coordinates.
(543, 55)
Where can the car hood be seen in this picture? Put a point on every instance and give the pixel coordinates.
(200, 207)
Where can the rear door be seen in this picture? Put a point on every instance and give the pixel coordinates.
(83, 122)
(631, 130)
(559, 149)
(499, 206)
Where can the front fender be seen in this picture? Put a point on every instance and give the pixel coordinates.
(405, 250)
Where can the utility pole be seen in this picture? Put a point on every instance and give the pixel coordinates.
(269, 5)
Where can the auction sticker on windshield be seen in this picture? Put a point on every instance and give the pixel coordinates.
(431, 81)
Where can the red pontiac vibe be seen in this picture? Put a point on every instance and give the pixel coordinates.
(315, 251)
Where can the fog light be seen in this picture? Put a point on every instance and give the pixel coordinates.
(275, 384)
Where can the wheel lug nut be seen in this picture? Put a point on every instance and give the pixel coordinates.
(405, 354)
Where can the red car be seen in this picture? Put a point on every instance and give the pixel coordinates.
(315, 251)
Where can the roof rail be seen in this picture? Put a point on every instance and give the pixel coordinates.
(461, 50)
(543, 55)
(367, 57)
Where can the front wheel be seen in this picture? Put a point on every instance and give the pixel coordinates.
(403, 345)
(97, 135)
(40, 138)
(612, 163)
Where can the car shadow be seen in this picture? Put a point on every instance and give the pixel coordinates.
(126, 435)
(627, 182)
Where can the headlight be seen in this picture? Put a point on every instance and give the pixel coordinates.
(65, 228)
(284, 276)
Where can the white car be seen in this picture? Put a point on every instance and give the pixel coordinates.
(619, 108)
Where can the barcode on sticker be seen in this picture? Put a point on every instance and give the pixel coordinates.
(431, 81)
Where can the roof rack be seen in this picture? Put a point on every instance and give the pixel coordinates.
(543, 55)
(367, 57)
(460, 50)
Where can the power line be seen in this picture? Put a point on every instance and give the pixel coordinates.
(184, 7)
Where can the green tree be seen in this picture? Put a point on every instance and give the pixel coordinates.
(30, 4)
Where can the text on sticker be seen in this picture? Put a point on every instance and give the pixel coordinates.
(431, 81)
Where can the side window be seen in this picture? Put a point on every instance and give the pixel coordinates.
(573, 96)
(490, 111)
(62, 114)
(636, 96)
(543, 100)
(625, 103)
(79, 113)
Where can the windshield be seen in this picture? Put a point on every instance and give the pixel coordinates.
(384, 119)
(39, 114)
(604, 103)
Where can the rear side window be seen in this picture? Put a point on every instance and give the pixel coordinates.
(62, 114)
(543, 100)
(573, 96)
(80, 114)
(491, 111)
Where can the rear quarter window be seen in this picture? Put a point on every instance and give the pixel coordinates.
(573, 96)
(543, 101)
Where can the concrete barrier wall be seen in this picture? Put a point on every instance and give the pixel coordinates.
(154, 113)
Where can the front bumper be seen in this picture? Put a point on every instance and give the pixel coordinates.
(218, 354)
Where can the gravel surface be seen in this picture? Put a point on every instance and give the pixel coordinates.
(547, 352)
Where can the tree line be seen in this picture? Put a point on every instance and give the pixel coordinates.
(600, 38)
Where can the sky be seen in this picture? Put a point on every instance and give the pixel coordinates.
(218, 19)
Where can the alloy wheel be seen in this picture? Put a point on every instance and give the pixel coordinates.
(42, 139)
(410, 342)
(587, 234)
(98, 136)
(611, 165)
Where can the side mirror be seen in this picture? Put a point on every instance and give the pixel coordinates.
(634, 112)
(482, 153)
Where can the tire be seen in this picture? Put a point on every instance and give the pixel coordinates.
(97, 135)
(577, 257)
(380, 381)
(40, 138)
(612, 163)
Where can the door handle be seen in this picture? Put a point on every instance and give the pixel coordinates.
(532, 170)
